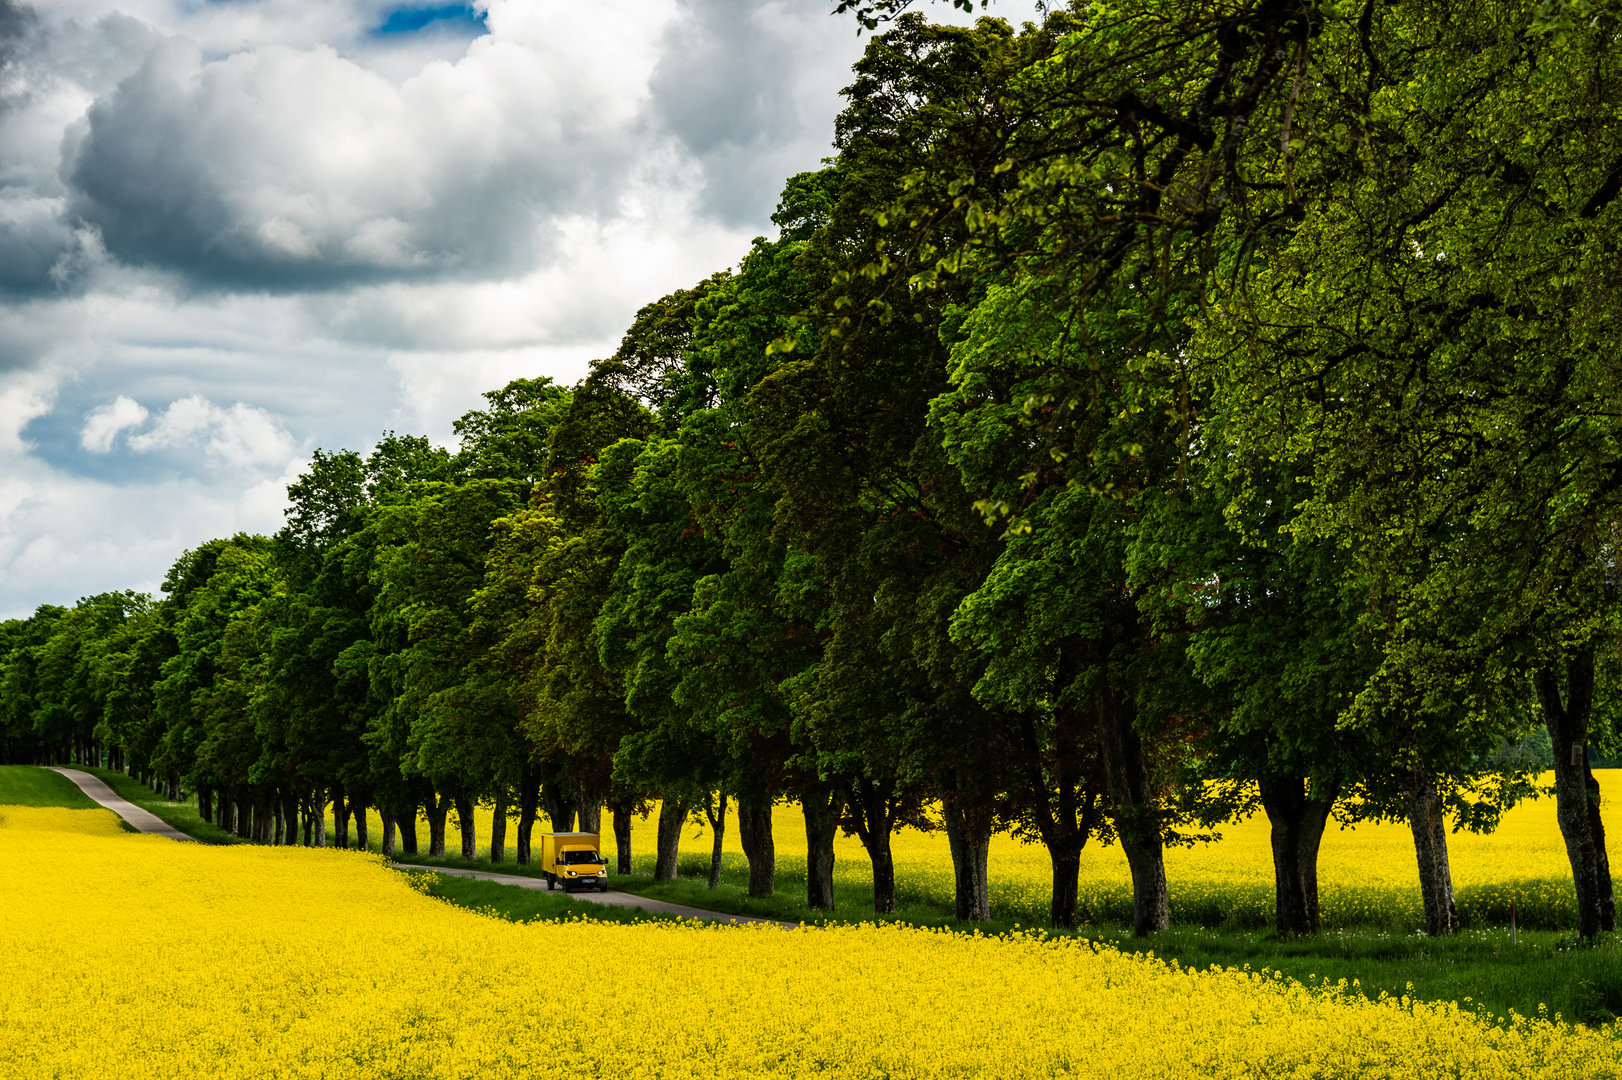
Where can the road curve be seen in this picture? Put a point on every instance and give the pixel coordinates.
(148, 822)
(141, 820)
(612, 899)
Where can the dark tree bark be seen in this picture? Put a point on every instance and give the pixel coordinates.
(529, 797)
(1135, 809)
(464, 820)
(559, 807)
(716, 814)
(1423, 805)
(389, 827)
(672, 815)
(591, 816)
(621, 813)
(498, 827)
(1298, 822)
(278, 826)
(225, 812)
(822, 808)
(408, 831)
(357, 805)
(1577, 806)
(245, 817)
(871, 809)
(755, 834)
(436, 808)
(205, 802)
(290, 814)
(1063, 802)
(340, 817)
(318, 815)
(968, 834)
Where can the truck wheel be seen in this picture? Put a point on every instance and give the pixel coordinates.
(603, 887)
(551, 883)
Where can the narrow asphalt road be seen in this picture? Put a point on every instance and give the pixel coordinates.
(612, 899)
(142, 820)
(148, 822)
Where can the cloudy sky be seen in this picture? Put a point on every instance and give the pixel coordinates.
(234, 231)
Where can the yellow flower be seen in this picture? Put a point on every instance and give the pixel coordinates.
(131, 956)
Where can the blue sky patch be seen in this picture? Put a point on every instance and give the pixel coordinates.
(452, 17)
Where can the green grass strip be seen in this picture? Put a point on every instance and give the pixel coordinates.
(181, 815)
(31, 785)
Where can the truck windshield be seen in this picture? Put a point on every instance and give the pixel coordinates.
(573, 857)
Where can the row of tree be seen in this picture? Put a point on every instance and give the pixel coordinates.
(1166, 413)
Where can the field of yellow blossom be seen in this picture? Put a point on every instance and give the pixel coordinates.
(135, 957)
(1367, 874)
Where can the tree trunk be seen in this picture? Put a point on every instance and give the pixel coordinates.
(464, 821)
(1577, 805)
(245, 818)
(1298, 822)
(874, 818)
(408, 830)
(388, 833)
(363, 840)
(718, 828)
(672, 815)
(822, 809)
(1424, 808)
(1064, 909)
(591, 816)
(498, 827)
(1136, 812)
(436, 807)
(340, 817)
(316, 816)
(529, 797)
(205, 803)
(755, 834)
(968, 834)
(621, 814)
(225, 812)
(290, 814)
(559, 807)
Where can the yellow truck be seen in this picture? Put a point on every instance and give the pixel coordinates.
(573, 860)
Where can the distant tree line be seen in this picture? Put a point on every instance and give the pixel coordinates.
(1164, 414)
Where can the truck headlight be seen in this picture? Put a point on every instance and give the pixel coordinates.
(570, 873)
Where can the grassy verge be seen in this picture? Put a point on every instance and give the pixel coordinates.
(852, 903)
(181, 815)
(521, 905)
(1543, 972)
(31, 785)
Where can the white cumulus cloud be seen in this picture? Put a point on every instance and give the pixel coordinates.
(102, 425)
(233, 232)
(241, 436)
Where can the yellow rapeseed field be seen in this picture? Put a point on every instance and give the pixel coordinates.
(1367, 874)
(138, 958)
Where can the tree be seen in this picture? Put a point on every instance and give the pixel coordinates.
(1427, 338)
